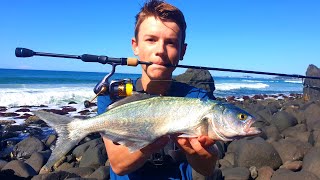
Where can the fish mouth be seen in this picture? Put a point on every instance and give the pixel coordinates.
(249, 129)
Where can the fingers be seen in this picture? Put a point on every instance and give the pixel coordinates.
(205, 141)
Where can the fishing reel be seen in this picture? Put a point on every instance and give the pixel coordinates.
(116, 89)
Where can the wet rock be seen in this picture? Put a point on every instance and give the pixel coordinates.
(56, 111)
(2, 108)
(20, 168)
(65, 166)
(315, 138)
(256, 152)
(7, 122)
(33, 120)
(9, 114)
(265, 173)
(68, 109)
(25, 148)
(10, 175)
(23, 110)
(311, 161)
(290, 149)
(272, 132)
(237, 173)
(79, 151)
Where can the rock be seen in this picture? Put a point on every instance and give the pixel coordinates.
(311, 90)
(59, 175)
(311, 161)
(256, 152)
(298, 132)
(23, 110)
(2, 163)
(315, 138)
(253, 172)
(291, 149)
(265, 173)
(68, 109)
(94, 157)
(36, 161)
(51, 139)
(56, 111)
(312, 116)
(27, 147)
(198, 78)
(7, 122)
(237, 173)
(103, 172)
(33, 120)
(9, 114)
(271, 132)
(282, 174)
(79, 151)
(2, 108)
(20, 168)
(293, 166)
(65, 166)
(283, 120)
(81, 171)
(9, 175)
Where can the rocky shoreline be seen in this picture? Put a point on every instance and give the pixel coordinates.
(288, 148)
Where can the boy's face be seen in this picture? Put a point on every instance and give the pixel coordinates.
(160, 43)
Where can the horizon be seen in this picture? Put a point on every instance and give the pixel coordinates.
(267, 35)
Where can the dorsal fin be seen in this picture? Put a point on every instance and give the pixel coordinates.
(136, 96)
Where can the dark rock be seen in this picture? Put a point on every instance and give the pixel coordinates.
(299, 132)
(9, 174)
(59, 175)
(283, 120)
(237, 173)
(265, 173)
(103, 172)
(81, 171)
(283, 174)
(72, 102)
(256, 152)
(311, 90)
(9, 114)
(34, 120)
(312, 115)
(7, 122)
(36, 161)
(315, 138)
(84, 112)
(291, 149)
(25, 148)
(56, 111)
(2, 108)
(68, 109)
(198, 78)
(23, 110)
(271, 132)
(94, 157)
(24, 116)
(13, 128)
(65, 166)
(79, 151)
(311, 161)
(20, 168)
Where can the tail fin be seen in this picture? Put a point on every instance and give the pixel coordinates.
(68, 136)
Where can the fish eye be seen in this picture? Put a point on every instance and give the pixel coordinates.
(242, 116)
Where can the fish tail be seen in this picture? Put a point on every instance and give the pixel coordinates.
(68, 136)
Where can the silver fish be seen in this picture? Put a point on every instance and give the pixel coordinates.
(141, 121)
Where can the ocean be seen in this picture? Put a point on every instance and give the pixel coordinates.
(58, 88)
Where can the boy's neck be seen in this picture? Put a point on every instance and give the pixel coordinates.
(156, 87)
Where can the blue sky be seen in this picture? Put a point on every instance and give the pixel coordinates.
(263, 35)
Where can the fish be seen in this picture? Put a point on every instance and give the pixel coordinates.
(140, 119)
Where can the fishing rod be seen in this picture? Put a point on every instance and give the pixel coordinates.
(121, 88)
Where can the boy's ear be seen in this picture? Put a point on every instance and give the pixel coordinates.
(135, 47)
(183, 51)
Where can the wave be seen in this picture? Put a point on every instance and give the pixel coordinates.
(293, 81)
(44, 96)
(232, 86)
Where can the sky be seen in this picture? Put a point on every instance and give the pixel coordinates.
(281, 36)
